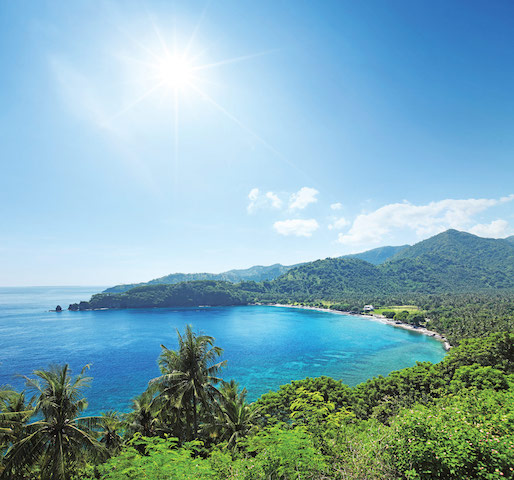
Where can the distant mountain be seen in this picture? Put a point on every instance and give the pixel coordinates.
(450, 262)
(257, 274)
(379, 255)
(510, 239)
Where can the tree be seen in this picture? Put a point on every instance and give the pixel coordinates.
(236, 419)
(14, 413)
(110, 426)
(60, 439)
(143, 418)
(188, 377)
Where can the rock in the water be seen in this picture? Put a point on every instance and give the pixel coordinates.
(58, 308)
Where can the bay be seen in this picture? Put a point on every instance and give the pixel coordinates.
(265, 346)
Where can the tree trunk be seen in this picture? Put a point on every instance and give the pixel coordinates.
(195, 419)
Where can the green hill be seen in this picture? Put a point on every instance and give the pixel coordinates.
(451, 262)
(256, 273)
(185, 294)
(329, 279)
(253, 274)
(379, 255)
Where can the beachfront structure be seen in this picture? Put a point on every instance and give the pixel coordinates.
(368, 308)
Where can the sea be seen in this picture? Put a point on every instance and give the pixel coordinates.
(265, 346)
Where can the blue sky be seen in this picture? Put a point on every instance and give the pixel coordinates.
(310, 129)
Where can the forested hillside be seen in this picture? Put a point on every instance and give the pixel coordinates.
(256, 274)
(185, 294)
(452, 263)
(379, 255)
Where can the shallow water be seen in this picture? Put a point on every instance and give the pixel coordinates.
(265, 346)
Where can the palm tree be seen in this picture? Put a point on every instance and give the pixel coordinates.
(143, 417)
(236, 419)
(14, 413)
(110, 426)
(188, 377)
(59, 440)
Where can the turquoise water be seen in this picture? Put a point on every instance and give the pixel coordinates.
(265, 346)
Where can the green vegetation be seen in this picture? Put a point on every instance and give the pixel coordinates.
(252, 274)
(397, 309)
(452, 420)
(379, 255)
(187, 294)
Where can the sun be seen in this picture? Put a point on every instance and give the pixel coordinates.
(175, 71)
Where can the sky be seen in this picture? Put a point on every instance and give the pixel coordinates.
(144, 138)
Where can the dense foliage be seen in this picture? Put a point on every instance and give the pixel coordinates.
(253, 274)
(453, 420)
(187, 294)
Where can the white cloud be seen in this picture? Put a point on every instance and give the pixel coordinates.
(297, 227)
(275, 201)
(338, 224)
(336, 206)
(424, 220)
(253, 197)
(262, 200)
(495, 229)
(302, 198)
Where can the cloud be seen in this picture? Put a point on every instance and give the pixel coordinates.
(297, 227)
(302, 198)
(338, 224)
(424, 220)
(496, 229)
(275, 201)
(261, 200)
(253, 197)
(336, 206)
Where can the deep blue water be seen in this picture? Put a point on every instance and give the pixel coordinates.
(265, 346)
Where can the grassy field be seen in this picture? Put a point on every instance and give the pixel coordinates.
(397, 308)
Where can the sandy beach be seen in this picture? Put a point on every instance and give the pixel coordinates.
(379, 318)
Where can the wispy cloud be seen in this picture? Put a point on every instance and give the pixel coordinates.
(496, 229)
(336, 206)
(339, 224)
(296, 227)
(303, 197)
(424, 220)
(259, 200)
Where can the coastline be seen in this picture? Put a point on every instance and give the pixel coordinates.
(423, 330)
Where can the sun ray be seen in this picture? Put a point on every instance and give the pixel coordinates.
(176, 71)
(163, 43)
(243, 126)
(233, 60)
(139, 44)
(195, 30)
(134, 103)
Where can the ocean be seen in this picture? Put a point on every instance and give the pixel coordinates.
(264, 346)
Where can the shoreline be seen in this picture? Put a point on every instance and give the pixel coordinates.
(393, 323)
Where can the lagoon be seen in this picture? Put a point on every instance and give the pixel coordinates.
(265, 346)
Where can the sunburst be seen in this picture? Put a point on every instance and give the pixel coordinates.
(176, 71)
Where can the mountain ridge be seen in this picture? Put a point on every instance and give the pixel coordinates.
(256, 273)
(450, 262)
